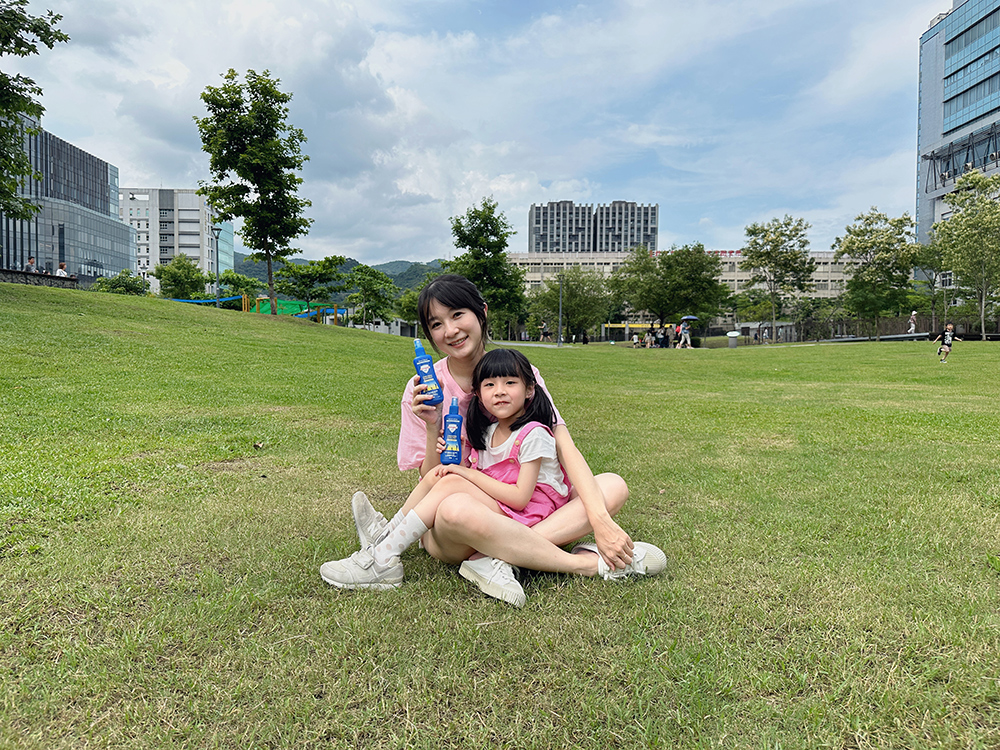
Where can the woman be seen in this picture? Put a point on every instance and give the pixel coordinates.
(453, 316)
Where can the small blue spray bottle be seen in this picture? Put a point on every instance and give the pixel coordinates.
(452, 453)
(425, 369)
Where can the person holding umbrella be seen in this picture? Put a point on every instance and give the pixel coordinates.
(686, 332)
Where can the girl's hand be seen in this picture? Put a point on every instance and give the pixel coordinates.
(441, 444)
(462, 471)
(430, 414)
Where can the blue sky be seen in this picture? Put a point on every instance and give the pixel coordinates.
(722, 112)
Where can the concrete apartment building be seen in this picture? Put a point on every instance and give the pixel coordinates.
(172, 222)
(958, 116)
(78, 222)
(563, 234)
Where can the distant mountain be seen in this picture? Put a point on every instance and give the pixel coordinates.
(404, 274)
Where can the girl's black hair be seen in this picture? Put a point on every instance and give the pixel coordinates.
(456, 292)
(505, 363)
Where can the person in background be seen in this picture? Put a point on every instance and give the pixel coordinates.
(30, 267)
(913, 322)
(61, 271)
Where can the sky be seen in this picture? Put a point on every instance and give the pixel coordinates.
(723, 112)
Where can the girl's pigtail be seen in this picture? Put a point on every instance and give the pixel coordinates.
(478, 421)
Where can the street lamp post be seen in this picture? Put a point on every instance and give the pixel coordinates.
(216, 231)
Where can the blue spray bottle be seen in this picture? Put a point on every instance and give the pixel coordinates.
(425, 369)
(452, 453)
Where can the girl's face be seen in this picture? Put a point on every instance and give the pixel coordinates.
(456, 331)
(504, 397)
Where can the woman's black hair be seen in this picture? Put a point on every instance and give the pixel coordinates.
(456, 292)
(505, 363)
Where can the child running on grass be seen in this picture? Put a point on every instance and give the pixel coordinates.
(946, 337)
(515, 472)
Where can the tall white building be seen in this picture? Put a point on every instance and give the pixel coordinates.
(621, 226)
(175, 222)
(567, 227)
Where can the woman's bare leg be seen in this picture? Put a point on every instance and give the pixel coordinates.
(464, 524)
(570, 522)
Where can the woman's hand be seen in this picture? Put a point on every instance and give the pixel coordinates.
(430, 414)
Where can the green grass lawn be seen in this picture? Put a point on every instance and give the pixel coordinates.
(173, 476)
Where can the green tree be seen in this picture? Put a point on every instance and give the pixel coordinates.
(181, 279)
(406, 306)
(777, 256)
(585, 300)
(683, 281)
(20, 35)
(123, 283)
(254, 159)
(483, 233)
(236, 283)
(970, 237)
(882, 253)
(375, 295)
(638, 283)
(692, 281)
(315, 281)
(929, 260)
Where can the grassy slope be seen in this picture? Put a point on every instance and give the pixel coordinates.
(828, 512)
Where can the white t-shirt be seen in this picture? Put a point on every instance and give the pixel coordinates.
(536, 444)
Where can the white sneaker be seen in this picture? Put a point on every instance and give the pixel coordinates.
(361, 571)
(368, 521)
(647, 560)
(494, 578)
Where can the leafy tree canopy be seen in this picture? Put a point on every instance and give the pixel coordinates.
(123, 283)
(585, 300)
(254, 159)
(882, 253)
(375, 294)
(181, 279)
(20, 35)
(970, 238)
(235, 283)
(777, 256)
(683, 281)
(483, 233)
(315, 281)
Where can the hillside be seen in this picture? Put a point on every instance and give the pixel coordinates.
(404, 274)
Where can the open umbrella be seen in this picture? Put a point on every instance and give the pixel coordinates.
(690, 317)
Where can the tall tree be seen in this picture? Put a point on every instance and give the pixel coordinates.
(585, 300)
(375, 296)
(683, 281)
(777, 256)
(692, 277)
(181, 279)
(483, 233)
(882, 253)
(20, 110)
(638, 282)
(929, 261)
(315, 281)
(254, 159)
(970, 237)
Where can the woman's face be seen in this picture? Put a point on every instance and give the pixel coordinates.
(455, 331)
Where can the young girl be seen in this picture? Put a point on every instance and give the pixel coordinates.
(513, 462)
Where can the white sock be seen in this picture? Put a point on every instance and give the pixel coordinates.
(394, 521)
(409, 529)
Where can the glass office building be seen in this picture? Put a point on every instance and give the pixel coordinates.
(78, 223)
(958, 120)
